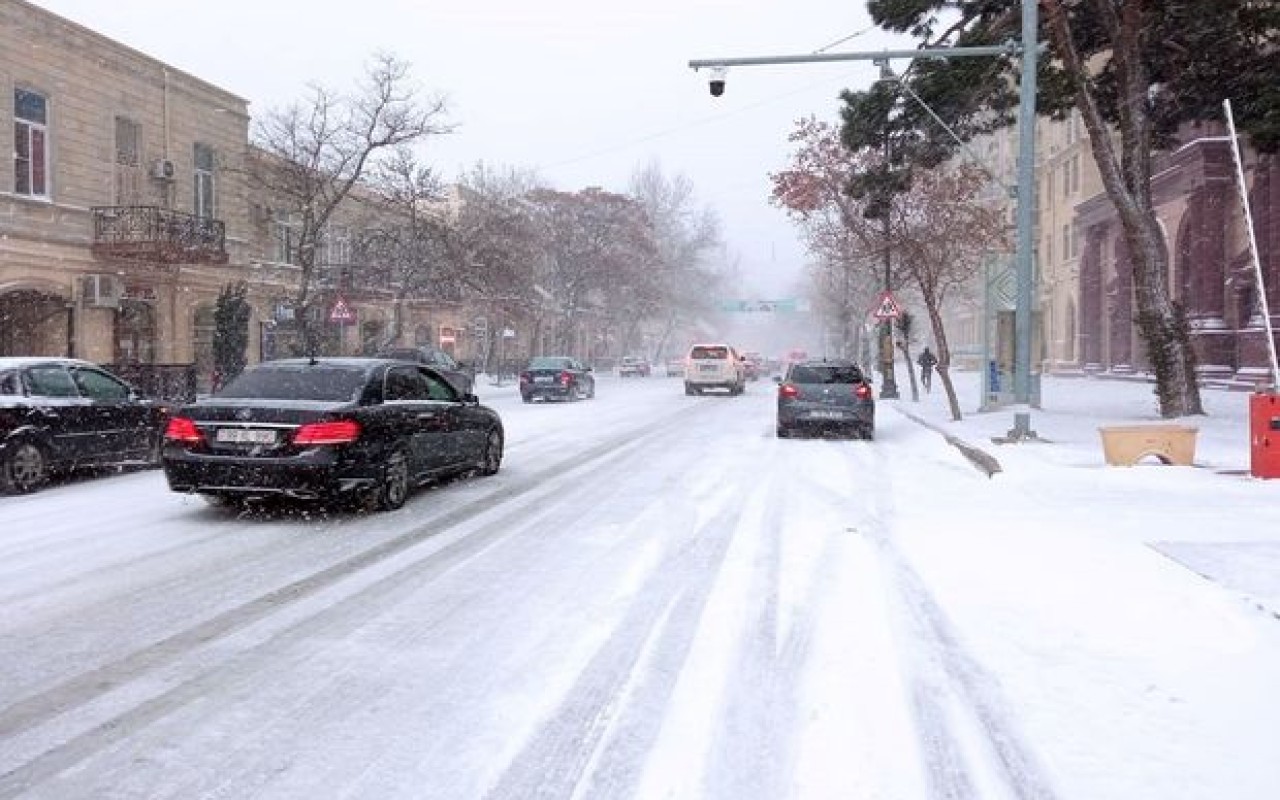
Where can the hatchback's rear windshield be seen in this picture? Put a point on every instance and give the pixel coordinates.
(825, 373)
(325, 384)
(710, 352)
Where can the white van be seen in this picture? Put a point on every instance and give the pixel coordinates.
(714, 366)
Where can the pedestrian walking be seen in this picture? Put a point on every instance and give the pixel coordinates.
(927, 362)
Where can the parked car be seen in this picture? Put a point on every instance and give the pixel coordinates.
(461, 377)
(753, 363)
(714, 366)
(63, 414)
(556, 378)
(820, 396)
(633, 367)
(367, 430)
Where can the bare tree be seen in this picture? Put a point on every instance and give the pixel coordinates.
(847, 244)
(941, 232)
(316, 153)
(685, 236)
(592, 240)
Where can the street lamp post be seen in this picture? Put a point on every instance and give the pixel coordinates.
(1028, 50)
(889, 389)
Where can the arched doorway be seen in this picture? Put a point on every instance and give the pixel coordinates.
(34, 323)
(135, 329)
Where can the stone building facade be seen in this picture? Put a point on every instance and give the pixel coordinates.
(1211, 270)
(128, 205)
(1085, 318)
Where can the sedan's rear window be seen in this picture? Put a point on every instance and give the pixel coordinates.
(325, 384)
(549, 363)
(709, 352)
(825, 373)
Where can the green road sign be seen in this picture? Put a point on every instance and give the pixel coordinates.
(787, 305)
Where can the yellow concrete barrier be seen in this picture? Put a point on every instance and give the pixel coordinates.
(1126, 445)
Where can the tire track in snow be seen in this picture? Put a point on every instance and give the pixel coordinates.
(90, 687)
(949, 672)
(589, 744)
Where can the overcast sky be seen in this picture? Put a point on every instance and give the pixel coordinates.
(583, 92)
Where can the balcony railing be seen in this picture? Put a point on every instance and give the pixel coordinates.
(157, 235)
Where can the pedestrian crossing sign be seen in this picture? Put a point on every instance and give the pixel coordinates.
(887, 307)
(341, 312)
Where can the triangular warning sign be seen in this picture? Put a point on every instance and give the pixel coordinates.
(341, 312)
(888, 307)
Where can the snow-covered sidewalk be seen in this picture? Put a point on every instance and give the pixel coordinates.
(1244, 507)
(1128, 614)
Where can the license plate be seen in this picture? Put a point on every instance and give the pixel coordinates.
(826, 414)
(246, 436)
(708, 368)
(542, 379)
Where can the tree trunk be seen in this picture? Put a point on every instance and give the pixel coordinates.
(943, 367)
(911, 373)
(1160, 320)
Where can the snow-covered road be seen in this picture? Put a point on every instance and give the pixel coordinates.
(654, 598)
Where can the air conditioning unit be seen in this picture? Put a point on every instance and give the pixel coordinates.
(102, 291)
(162, 169)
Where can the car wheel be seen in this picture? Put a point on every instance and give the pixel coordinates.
(492, 458)
(784, 432)
(527, 398)
(688, 389)
(869, 433)
(393, 489)
(25, 469)
(591, 390)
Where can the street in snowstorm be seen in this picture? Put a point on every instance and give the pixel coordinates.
(654, 598)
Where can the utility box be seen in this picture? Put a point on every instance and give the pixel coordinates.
(1264, 435)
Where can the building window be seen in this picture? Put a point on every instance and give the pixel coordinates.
(30, 144)
(128, 133)
(337, 247)
(203, 205)
(128, 159)
(285, 237)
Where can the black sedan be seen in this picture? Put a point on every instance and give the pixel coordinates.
(556, 378)
(367, 430)
(62, 414)
(440, 361)
(823, 396)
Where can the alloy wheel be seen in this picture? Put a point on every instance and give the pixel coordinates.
(25, 469)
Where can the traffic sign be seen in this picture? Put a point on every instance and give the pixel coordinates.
(341, 312)
(887, 307)
(761, 306)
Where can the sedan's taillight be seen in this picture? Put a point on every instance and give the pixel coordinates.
(862, 391)
(181, 429)
(788, 391)
(343, 431)
(525, 377)
(566, 378)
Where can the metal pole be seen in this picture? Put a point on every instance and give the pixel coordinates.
(817, 58)
(889, 389)
(1026, 205)
(1253, 245)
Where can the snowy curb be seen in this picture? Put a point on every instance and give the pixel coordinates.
(978, 457)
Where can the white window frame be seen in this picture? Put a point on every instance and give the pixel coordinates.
(284, 240)
(28, 129)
